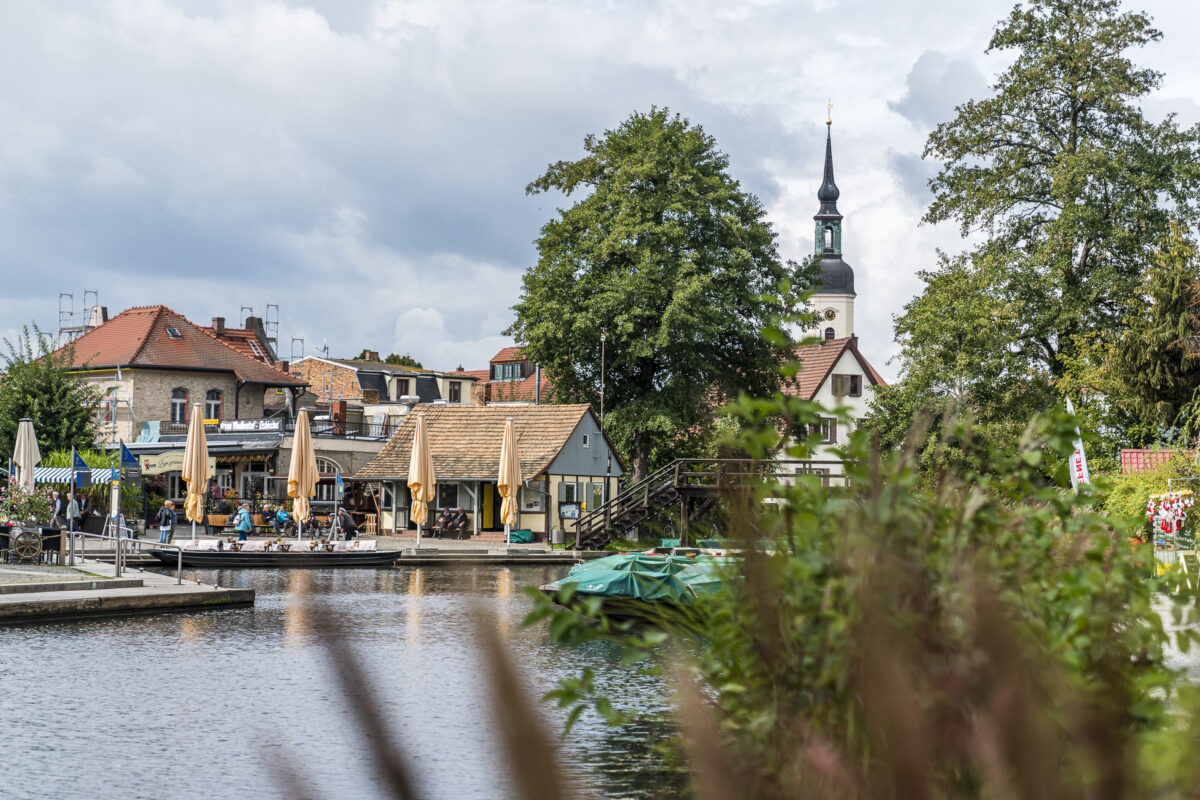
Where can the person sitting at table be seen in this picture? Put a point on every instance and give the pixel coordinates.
(458, 525)
(440, 525)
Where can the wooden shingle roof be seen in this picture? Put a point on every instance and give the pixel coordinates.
(464, 441)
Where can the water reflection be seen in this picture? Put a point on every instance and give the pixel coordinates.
(208, 701)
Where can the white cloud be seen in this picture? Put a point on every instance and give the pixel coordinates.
(361, 161)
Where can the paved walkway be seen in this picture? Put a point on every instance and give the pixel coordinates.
(136, 592)
(40, 573)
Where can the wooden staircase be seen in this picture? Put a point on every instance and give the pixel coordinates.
(691, 484)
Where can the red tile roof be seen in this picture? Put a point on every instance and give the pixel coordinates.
(477, 374)
(1135, 461)
(818, 360)
(508, 354)
(239, 339)
(522, 391)
(138, 337)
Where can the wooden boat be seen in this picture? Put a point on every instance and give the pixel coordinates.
(299, 555)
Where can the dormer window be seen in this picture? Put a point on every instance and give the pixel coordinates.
(507, 372)
(174, 333)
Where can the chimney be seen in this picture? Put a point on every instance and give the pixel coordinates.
(219, 326)
(370, 355)
(283, 365)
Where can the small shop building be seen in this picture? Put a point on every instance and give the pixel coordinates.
(567, 462)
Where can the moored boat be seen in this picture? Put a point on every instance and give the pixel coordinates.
(637, 583)
(357, 553)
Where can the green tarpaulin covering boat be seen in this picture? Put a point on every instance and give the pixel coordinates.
(645, 577)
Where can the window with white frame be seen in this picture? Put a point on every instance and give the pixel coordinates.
(212, 404)
(587, 440)
(595, 495)
(179, 405)
(507, 372)
(327, 466)
(568, 492)
(829, 426)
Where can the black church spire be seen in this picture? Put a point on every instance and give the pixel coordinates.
(836, 275)
(828, 193)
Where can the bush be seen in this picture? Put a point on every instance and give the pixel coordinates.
(990, 636)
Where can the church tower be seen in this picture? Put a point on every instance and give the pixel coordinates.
(834, 299)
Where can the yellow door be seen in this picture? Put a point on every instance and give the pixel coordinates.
(488, 491)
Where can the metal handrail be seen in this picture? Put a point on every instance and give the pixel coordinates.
(118, 555)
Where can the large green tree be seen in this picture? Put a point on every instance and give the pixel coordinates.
(1153, 369)
(1067, 188)
(667, 254)
(38, 383)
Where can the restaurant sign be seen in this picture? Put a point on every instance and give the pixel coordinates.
(250, 425)
(171, 461)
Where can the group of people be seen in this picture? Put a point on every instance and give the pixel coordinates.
(71, 513)
(450, 525)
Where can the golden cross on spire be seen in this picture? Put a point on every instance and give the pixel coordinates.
(829, 112)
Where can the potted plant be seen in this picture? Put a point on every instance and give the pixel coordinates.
(20, 506)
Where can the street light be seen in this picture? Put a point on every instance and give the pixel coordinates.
(603, 336)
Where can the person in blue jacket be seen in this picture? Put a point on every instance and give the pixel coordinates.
(242, 522)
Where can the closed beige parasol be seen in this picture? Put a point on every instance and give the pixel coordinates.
(26, 454)
(195, 468)
(509, 479)
(421, 480)
(302, 471)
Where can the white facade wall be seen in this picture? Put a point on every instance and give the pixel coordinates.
(842, 306)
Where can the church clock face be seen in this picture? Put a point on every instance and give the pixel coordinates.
(829, 314)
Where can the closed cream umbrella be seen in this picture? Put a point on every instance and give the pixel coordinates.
(509, 479)
(195, 468)
(302, 472)
(421, 480)
(26, 454)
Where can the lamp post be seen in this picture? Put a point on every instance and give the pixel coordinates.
(603, 336)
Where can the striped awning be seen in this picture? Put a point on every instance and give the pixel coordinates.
(64, 475)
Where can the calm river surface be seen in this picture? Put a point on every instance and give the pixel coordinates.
(203, 704)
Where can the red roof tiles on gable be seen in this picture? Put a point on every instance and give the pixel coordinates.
(818, 360)
(239, 339)
(1135, 461)
(138, 337)
(508, 354)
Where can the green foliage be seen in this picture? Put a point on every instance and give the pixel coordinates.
(674, 261)
(97, 459)
(1124, 496)
(1072, 189)
(38, 383)
(987, 634)
(19, 505)
(405, 360)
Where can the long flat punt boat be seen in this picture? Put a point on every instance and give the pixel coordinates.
(211, 557)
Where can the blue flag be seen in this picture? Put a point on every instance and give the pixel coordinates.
(82, 472)
(341, 487)
(128, 459)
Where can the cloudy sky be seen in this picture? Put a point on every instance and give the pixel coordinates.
(362, 163)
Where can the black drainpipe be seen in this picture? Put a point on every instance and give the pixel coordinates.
(237, 400)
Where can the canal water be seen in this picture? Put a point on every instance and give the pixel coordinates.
(217, 703)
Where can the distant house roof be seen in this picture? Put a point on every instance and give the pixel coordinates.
(244, 340)
(520, 391)
(508, 354)
(157, 337)
(817, 362)
(1135, 461)
(464, 441)
(359, 366)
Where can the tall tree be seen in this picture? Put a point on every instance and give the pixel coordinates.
(1067, 183)
(673, 260)
(1154, 368)
(38, 383)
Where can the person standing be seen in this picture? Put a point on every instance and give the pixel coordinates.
(56, 510)
(242, 522)
(72, 513)
(346, 523)
(166, 522)
(85, 507)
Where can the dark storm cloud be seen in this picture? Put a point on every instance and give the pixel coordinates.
(934, 86)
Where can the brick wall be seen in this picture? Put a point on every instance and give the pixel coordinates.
(152, 393)
(317, 374)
